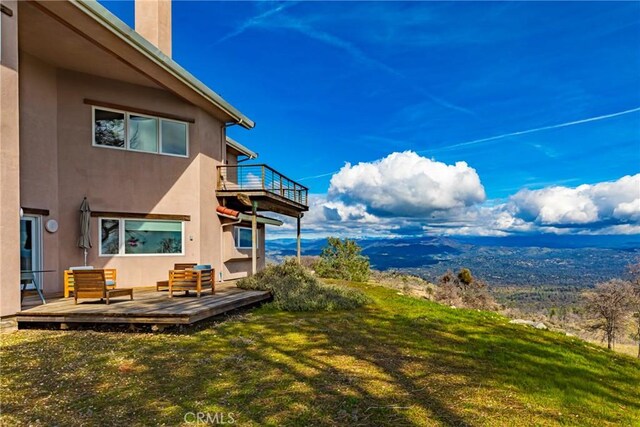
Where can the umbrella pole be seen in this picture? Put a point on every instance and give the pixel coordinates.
(85, 257)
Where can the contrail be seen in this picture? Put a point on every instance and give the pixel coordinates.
(524, 132)
(317, 176)
(506, 135)
(255, 20)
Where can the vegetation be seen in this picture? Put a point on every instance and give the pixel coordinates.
(464, 290)
(610, 303)
(634, 272)
(294, 288)
(342, 259)
(396, 361)
(408, 284)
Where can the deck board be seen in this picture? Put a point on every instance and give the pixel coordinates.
(148, 306)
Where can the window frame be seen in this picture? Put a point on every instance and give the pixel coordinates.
(127, 146)
(161, 119)
(122, 243)
(93, 128)
(128, 122)
(236, 236)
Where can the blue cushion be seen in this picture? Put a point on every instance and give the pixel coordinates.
(202, 267)
(110, 282)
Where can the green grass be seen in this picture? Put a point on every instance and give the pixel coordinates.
(396, 361)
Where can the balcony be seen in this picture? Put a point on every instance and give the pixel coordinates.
(272, 190)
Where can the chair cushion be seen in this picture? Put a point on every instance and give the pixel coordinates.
(202, 267)
(109, 282)
(84, 267)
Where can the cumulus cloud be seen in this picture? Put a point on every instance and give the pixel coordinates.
(407, 185)
(406, 194)
(606, 202)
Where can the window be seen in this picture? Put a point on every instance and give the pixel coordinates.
(174, 138)
(109, 236)
(138, 132)
(143, 133)
(108, 128)
(140, 237)
(243, 237)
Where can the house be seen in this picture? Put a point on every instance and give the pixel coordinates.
(91, 108)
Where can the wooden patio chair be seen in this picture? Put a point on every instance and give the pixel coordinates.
(191, 280)
(164, 284)
(110, 275)
(93, 284)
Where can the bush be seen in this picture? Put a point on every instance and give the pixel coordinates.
(464, 290)
(409, 284)
(294, 288)
(342, 259)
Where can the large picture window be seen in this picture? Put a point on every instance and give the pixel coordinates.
(243, 237)
(138, 132)
(140, 237)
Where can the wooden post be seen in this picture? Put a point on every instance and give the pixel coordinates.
(298, 236)
(254, 238)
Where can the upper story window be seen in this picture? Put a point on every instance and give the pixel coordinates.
(139, 132)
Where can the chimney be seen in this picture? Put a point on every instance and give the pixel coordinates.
(153, 22)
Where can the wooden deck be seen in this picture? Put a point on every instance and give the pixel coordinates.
(148, 306)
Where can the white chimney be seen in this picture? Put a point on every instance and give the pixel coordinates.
(153, 22)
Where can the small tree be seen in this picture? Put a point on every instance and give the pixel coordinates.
(465, 290)
(634, 272)
(343, 259)
(609, 303)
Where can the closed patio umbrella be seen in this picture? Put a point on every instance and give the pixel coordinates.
(84, 242)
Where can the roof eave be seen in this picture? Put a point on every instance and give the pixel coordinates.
(241, 148)
(101, 15)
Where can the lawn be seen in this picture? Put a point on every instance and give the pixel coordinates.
(397, 361)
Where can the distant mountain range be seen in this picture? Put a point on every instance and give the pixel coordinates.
(512, 260)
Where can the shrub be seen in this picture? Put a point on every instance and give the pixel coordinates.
(407, 283)
(294, 288)
(464, 290)
(342, 259)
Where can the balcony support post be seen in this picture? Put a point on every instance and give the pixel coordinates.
(254, 237)
(298, 234)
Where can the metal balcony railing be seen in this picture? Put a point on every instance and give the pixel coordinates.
(261, 178)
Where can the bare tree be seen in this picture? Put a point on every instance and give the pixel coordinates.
(634, 272)
(610, 303)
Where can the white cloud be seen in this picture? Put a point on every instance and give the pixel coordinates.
(610, 202)
(407, 195)
(407, 185)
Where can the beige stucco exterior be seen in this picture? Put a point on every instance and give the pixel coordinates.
(49, 163)
(9, 163)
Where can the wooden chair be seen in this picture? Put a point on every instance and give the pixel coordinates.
(191, 280)
(110, 275)
(164, 284)
(93, 284)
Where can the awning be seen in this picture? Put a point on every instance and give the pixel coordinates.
(233, 214)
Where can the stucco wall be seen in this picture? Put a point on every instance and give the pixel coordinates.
(61, 167)
(238, 261)
(9, 163)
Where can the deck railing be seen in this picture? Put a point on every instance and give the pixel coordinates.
(260, 178)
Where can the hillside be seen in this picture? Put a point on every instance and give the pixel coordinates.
(397, 361)
(515, 260)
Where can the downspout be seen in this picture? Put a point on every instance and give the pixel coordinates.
(237, 221)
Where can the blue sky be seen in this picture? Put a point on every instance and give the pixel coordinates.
(335, 82)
